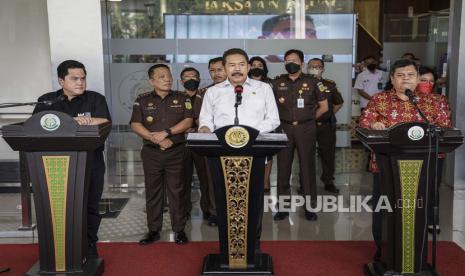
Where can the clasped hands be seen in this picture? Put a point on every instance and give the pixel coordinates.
(160, 138)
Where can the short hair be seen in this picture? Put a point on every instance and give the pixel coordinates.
(187, 69)
(407, 54)
(423, 70)
(295, 51)
(235, 51)
(317, 59)
(156, 66)
(369, 57)
(400, 63)
(265, 67)
(215, 60)
(62, 69)
(268, 25)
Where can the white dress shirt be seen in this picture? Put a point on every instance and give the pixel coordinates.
(258, 108)
(370, 83)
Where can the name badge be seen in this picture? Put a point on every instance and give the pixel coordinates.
(300, 103)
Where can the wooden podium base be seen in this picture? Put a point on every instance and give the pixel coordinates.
(94, 267)
(378, 269)
(212, 266)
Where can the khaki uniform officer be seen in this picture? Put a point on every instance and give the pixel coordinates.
(300, 102)
(190, 78)
(326, 125)
(161, 117)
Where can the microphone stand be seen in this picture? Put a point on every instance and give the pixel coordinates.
(6, 105)
(236, 119)
(433, 131)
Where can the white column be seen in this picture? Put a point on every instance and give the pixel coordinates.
(75, 29)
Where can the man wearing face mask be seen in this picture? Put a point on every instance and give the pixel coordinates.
(190, 79)
(301, 100)
(369, 81)
(326, 124)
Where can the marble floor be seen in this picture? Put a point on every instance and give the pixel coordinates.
(351, 179)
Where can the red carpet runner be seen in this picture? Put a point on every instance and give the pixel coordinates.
(309, 258)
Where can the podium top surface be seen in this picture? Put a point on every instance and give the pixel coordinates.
(237, 140)
(277, 137)
(410, 136)
(54, 131)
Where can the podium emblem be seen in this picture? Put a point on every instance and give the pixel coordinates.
(50, 122)
(237, 137)
(415, 133)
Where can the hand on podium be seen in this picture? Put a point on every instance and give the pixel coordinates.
(378, 126)
(204, 129)
(87, 120)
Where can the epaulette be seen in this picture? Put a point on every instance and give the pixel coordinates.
(203, 90)
(145, 94)
(279, 76)
(198, 96)
(330, 81)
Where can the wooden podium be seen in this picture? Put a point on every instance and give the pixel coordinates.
(59, 155)
(236, 157)
(406, 154)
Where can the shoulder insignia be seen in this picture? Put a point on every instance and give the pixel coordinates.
(279, 76)
(330, 81)
(145, 94)
(321, 87)
(198, 96)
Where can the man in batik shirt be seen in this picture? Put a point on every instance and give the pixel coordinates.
(389, 108)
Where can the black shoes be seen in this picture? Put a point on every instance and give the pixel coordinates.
(150, 237)
(180, 238)
(310, 216)
(212, 221)
(206, 215)
(92, 250)
(280, 215)
(431, 229)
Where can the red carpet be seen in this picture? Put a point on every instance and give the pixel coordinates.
(329, 258)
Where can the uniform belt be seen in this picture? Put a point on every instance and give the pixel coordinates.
(323, 123)
(296, 123)
(154, 146)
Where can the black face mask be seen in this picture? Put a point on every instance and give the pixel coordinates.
(191, 84)
(371, 67)
(257, 72)
(292, 68)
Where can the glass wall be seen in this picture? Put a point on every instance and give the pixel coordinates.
(183, 33)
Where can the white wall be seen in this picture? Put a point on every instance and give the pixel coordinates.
(75, 29)
(25, 68)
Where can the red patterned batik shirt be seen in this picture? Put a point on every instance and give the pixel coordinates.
(386, 107)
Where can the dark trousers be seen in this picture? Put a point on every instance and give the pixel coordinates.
(94, 195)
(207, 195)
(163, 171)
(326, 138)
(302, 137)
